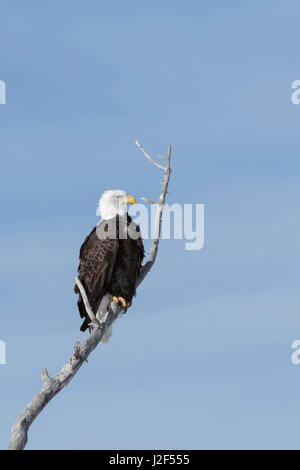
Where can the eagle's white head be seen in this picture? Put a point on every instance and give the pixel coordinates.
(114, 202)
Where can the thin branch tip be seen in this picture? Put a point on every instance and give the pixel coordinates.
(150, 158)
(149, 200)
(45, 376)
(85, 300)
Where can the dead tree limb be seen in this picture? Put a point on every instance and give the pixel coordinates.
(51, 386)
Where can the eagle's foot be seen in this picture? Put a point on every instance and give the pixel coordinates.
(121, 301)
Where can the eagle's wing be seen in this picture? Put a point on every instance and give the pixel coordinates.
(141, 254)
(137, 253)
(97, 260)
(139, 241)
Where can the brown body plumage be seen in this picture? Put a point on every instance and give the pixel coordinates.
(110, 262)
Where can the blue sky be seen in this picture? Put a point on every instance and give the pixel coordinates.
(203, 358)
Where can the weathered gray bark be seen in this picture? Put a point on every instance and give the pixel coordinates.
(52, 386)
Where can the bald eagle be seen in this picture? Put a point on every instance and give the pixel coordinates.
(110, 258)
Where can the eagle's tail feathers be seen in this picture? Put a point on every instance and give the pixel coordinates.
(85, 324)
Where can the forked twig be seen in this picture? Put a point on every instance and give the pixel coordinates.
(150, 158)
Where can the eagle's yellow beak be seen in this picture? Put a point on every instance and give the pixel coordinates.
(131, 200)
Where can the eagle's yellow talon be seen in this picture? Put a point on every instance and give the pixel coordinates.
(120, 300)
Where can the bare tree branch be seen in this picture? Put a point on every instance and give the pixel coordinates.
(157, 221)
(88, 308)
(148, 200)
(150, 158)
(52, 386)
